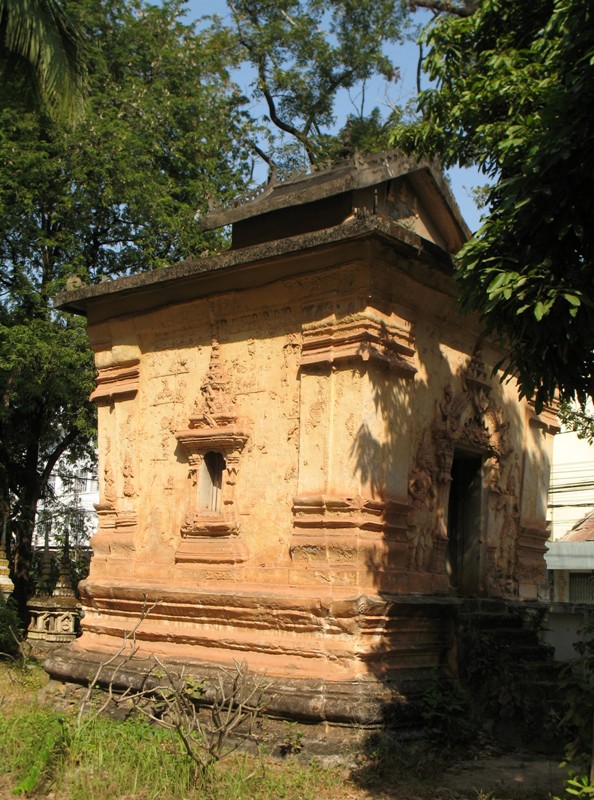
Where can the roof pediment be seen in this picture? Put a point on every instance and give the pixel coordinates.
(410, 191)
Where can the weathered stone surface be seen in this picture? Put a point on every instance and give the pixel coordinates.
(304, 456)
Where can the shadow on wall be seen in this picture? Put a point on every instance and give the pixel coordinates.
(450, 465)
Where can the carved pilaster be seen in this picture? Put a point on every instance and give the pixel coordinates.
(367, 335)
(348, 541)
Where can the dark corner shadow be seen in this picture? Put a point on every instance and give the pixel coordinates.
(450, 465)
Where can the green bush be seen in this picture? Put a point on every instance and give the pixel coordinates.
(10, 628)
(578, 691)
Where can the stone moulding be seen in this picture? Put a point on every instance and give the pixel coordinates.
(339, 644)
(356, 540)
(366, 336)
(116, 531)
(326, 511)
(206, 434)
(547, 420)
(116, 381)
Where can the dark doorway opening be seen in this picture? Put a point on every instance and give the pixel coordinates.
(464, 523)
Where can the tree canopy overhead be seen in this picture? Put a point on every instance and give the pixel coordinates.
(514, 94)
(304, 52)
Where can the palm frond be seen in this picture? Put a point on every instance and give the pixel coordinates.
(40, 38)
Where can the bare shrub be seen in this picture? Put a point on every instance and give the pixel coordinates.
(210, 718)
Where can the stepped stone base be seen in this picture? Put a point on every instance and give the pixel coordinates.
(362, 661)
(351, 659)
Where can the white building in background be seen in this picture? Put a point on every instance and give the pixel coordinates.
(68, 511)
(570, 554)
(571, 494)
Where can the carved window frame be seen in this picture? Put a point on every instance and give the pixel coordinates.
(226, 442)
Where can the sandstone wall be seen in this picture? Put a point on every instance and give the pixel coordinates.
(339, 401)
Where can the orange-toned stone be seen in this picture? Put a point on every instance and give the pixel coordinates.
(304, 458)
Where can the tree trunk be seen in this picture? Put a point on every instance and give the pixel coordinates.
(23, 528)
(24, 519)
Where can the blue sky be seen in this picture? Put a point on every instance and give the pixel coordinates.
(378, 93)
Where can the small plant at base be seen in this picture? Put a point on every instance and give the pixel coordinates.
(445, 711)
(580, 786)
(292, 740)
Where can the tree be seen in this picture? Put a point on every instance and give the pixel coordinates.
(42, 55)
(304, 52)
(514, 94)
(163, 131)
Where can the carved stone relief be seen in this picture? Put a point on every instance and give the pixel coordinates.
(213, 442)
(421, 518)
(128, 473)
(505, 502)
(468, 420)
(109, 490)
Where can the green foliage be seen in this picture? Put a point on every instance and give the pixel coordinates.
(578, 691)
(446, 713)
(499, 686)
(292, 740)
(514, 94)
(163, 133)
(580, 786)
(42, 50)
(128, 758)
(578, 419)
(208, 720)
(10, 628)
(31, 745)
(102, 759)
(48, 749)
(304, 52)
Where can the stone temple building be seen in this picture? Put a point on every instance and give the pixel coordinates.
(306, 462)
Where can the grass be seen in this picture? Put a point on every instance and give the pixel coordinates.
(47, 754)
(102, 759)
(43, 751)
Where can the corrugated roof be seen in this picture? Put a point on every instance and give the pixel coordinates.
(582, 531)
(570, 555)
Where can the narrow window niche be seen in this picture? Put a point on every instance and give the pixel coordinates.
(209, 531)
(211, 482)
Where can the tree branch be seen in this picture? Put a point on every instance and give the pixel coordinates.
(272, 168)
(54, 456)
(463, 8)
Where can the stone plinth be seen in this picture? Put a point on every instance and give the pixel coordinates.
(54, 617)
